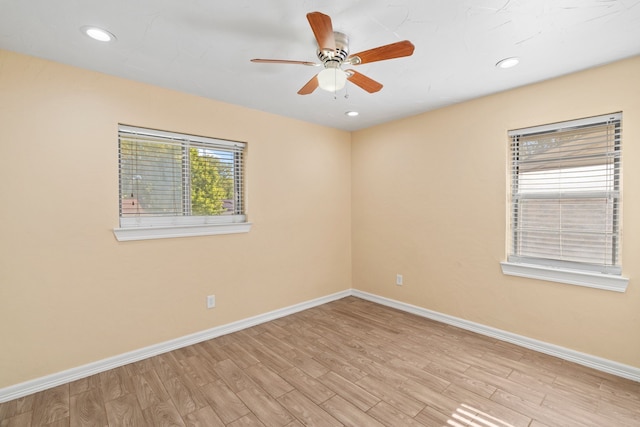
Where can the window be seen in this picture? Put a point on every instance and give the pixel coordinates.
(566, 202)
(174, 185)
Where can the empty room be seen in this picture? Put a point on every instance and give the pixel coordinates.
(305, 213)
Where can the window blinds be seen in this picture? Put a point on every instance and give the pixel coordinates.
(165, 174)
(565, 194)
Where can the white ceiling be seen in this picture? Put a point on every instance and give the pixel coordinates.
(203, 47)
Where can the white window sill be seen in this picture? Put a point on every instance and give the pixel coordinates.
(166, 232)
(609, 282)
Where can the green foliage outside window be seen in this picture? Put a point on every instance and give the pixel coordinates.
(211, 184)
(152, 184)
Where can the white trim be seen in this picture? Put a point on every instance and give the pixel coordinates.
(146, 233)
(54, 380)
(134, 130)
(605, 118)
(180, 221)
(598, 363)
(609, 282)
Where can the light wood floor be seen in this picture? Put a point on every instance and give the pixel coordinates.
(349, 362)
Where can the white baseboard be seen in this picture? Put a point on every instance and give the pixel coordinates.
(604, 365)
(53, 380)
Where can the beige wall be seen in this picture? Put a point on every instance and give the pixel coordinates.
(70, 294)
(429, 202)
(424, 197)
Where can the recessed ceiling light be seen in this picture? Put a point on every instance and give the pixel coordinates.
(98, 34)
(508, 62)
(351, 113)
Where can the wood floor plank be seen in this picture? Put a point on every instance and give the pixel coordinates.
(167, 366)
(62, 422)
(576, 411)
(486, 406)
(240, 355)
(620, 392)
(469, 415)
(619, 397)
(264, 407)
(268, 380)
(8, 409)
(138, 367)
(422, 376)
(541, 414)
(20, 420)
(417, 354)
(213, 349)
(267, 356)
(304, 340)
(349, 391)
(149, 389)
(204, 417)
(84, 384)
(51, 405)
(248, 420)
(506, 384)
(307, 364)
(115, 383)
(562, 395)
(186, 396)
(348, 414)
(589, 389)
(273, 329)
(16, 407)
(396, 398)
(538, 383)
(391, 416)
(536, 423)
(124, 412)
(306, 411)
(87, 409)
(224, 402)
(617, 413)
(309, 386)
(163, 414)
(431, 417)
(338, 364)
(233, 376)
(275, 344)
(199, 370)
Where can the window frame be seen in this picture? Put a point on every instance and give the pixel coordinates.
(563, 271)
(187, 225)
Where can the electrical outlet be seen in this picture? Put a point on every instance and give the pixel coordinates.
(211, 301)
(399, 279)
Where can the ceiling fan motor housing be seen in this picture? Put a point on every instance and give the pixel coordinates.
(333, 59)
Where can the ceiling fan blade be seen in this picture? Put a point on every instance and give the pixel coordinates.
(284, 61)
(322, 30)
(363, 81)
(381, 53)
(310, 86)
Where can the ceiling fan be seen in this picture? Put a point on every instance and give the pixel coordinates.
(333, 52)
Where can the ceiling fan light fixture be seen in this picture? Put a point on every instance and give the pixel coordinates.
(332, 79)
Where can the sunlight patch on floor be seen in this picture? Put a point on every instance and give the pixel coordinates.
(466, 416)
